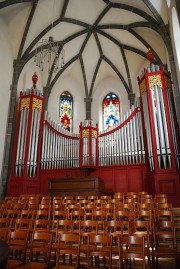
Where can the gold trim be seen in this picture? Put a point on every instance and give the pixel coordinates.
(25, 102)
(142, 86)
(168, 84)
(94, 133)
(37, 103)
(85, 133)
(155, 80)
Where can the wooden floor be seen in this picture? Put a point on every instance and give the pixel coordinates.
(162, 264)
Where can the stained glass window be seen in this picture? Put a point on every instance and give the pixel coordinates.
(111, 110)
(66, 110)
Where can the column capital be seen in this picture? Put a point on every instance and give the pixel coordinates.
(131, 97)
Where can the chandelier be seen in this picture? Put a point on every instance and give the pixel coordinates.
(49, 54)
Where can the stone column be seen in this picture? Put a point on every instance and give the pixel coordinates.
(88, 101)
(131, 97)
(8, 145)
(46, 97)
(10, 131)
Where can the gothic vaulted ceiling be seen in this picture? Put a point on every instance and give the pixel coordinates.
(101, 38)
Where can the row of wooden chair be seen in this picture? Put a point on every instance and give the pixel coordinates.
(116, 241)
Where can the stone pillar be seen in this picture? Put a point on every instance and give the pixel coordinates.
(46, 97)
(8, 145)
(131, 97)
(88, 101)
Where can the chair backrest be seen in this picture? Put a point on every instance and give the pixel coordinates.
(164, 234)
(123, 215)
(132, 246)
(42, 224)
(100, 246)
(41, 243)
(78, 215)
(43, 214)
(163, 215)
(23, 223)
(17, 241)
(27, 214)
(64, 226)
(114, 227)
(88, 226)
(68, 244)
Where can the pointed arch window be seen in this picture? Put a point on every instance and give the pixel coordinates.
(66, 110)
(111, 110)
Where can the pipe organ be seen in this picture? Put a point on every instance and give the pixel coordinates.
(159, 118)
(123, 144)
(145, 141)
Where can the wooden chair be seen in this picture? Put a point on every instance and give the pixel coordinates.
(142, 229)
(58, 207)
(163, 215)
(163, 206)
(145, 206)
(13, 213)
(17, 242)
(164, 241)
(123, 215)
(33, 206)
(86, 228)
(46, 200)
(78, 215)
(160, 200)
(23, 223)
(27, 214)
(115, 228)
(68, 253)
(45, 207)
(41, 224)
(62, 226)
(3, 234)
(99, 251)
(131, 248)
(58, 215)
(89, 211)
(43, 214)
(144, 215)
(40, 250)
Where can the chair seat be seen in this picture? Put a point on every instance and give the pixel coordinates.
(13, 263)
(33, 265)
(65, 267)
(165, 252)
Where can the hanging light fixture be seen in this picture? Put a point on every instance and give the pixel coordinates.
(49, 52)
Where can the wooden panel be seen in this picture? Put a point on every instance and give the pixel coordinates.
(121, 180)
(168, 187)
(135, 180)
(75, 186)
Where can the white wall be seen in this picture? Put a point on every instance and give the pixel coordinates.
(6, 71)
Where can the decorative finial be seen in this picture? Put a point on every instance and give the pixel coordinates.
(34, 79)
(150, 56)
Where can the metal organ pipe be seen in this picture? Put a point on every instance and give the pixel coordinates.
(60, 148)
(120, 144)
